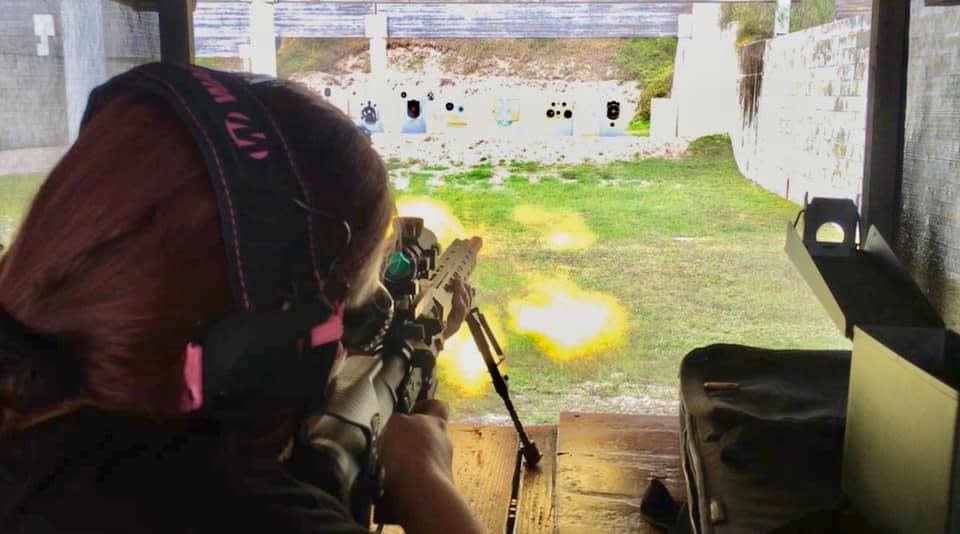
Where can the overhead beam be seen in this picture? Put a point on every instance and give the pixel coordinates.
(222, 27)
(886, 112)
(176, 30)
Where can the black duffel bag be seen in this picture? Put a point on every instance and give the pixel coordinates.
(762, 437)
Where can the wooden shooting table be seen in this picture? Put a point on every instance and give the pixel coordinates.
(594, 471)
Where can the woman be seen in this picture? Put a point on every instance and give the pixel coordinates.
(116, 267)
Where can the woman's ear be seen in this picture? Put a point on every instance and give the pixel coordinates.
(192, 397)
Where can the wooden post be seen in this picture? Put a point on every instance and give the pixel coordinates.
(886, 112)
(176, 30)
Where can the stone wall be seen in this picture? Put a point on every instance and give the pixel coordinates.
(32, 102)
(928, 239)
(800, 129)
(52, 53)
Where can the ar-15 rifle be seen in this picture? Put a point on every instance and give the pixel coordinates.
(400, 336)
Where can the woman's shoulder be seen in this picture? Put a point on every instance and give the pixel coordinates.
(97, 472)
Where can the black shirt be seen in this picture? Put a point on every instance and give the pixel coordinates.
(91, 472)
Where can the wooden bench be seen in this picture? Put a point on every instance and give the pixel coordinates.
(594, 471)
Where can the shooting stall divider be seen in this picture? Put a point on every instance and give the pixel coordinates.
(901, 463)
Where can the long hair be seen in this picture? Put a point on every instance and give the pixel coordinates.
(119, 260)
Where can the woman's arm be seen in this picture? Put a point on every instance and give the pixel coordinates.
(435, 506)
(418, 460)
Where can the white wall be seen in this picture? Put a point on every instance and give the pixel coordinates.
(84, 56)
(704, 73)
(794, 106)
(46, 77)
(801, 122)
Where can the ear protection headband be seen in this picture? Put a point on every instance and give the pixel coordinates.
(280, 342)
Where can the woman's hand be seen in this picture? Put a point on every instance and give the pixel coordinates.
(462, 303)
(418, 462)
(417, 445)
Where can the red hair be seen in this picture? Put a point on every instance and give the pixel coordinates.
(120, 256)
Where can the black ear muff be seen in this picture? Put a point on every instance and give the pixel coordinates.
(260, 354)
(259, 360)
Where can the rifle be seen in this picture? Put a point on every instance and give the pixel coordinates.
(399, 337)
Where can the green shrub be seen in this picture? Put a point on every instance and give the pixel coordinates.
(650, 62)
(756, 20)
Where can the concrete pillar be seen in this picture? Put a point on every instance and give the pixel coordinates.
(376, 31)
(704, 76)
(263, 42)
(781, 21)
(84, 56)
(663, 119)
(245, 54)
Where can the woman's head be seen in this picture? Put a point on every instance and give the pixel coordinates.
(120, 257)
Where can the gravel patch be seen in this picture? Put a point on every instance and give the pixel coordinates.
(442, 149)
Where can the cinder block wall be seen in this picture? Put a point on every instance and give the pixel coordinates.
(42, 96)
(32, 102)
(929, 234)
(802, 111)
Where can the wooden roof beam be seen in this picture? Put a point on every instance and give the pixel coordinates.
(176, 30)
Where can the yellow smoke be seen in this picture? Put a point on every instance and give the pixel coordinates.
(436, 216)
(561, 230)
(568, 322)
(461, 363)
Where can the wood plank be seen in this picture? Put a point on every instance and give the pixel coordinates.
(221, 27)
(483, 467)
(886, 113)
(495, 21)
(483, 463)
(852, 8)
(537, 513)
(604, 463)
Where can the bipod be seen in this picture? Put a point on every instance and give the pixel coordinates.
(481, 334)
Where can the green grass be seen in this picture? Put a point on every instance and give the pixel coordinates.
(297, 55)
(220, 63)
(639, 127)
(650, 62)
(16, 192)
(692, 250)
